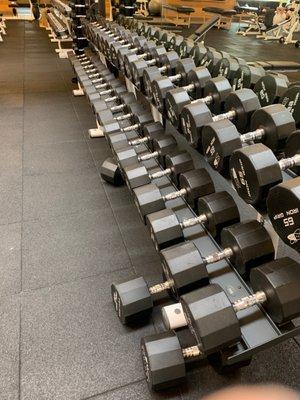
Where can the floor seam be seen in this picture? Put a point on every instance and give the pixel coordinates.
(54, 285)
(113, 390)
(22, 231)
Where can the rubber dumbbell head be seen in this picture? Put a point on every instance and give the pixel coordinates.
(215, 212)
(193, 184)
(239, 107)
(255, 169)
(138, 175)
(270, 125)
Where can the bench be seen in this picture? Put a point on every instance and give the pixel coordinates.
(226, 16)
(182, 14)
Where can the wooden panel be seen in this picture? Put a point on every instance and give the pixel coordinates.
(4, 9)
(108, 10)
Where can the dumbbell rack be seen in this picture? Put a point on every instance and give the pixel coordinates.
(78, 12)
(258, 329)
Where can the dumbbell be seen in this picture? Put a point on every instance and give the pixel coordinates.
(112, 126)
(95, 78)
(105, 79)
(151, 53)
(213, 90)
(126, 55)
(247, 76)
(82, 66)
(105, 89)
(183, 272)
(165, 62)
(270, 125)
(254, 170)
(137, 175)
(185, 47)
(162, 146)
(92, 88)
(152, 72)
(149, 132)
(283, 206)
(206, 56)
(110, 172)
(167, 229)
(270, 88)
(113, 41)
(291, 100)
(198, 54)
(161, 85)
(119, 96)
(193, 184)
(239, 107)
(85, 63)
(213, 320)
(129, 110)
(196, 82)
(115, 46)
(109, 35)
(293, 143)
(95, 71)
(227, 66)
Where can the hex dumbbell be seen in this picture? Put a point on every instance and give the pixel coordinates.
(284, 211)
(166, 228)
(270, 125)
(119, 96)
(134, 298)
(106, 88)
(129, 110)
(162, 146)
(126, 55)
(270, 88)
(164, 62)
(138, 121)
(213, 90)
(293, 142)
(254, 170)
(149, 132)
(110, 172)
(137, 175)
(161, 85)
(213, 320)
(151, 54)
(239, 107)
(193, 184)
(247, 76)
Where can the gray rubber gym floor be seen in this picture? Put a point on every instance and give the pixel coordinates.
(64, 237)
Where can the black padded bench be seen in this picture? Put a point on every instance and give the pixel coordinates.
(226, 16)
(182, 14)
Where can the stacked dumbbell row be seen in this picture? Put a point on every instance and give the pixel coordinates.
(197, 115)
(218, 89)
(223, 125)
(269, 88)
(57, 25)
(78, 11)
(127, 156)
(127, 7)
(124, 294)
(134, 299)
(63, 8)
